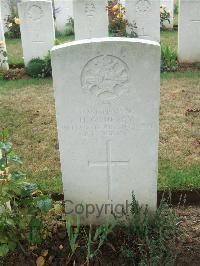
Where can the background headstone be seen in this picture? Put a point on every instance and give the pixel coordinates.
(37, 28)
(108, 120)
(146, 15)
(90, 19)
(3, 53)
(63, 11)
(189, 31)
(5, 12)
(169, 7)
(123, 2)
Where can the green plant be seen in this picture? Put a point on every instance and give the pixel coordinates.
(176, 9)
(48, 67)
(168, 59)
(117, 21)
(39, 68)
(13, 25)
(95, 241)
(22, 205)
(164, 16)
(198, 66)
(73, 233)
(57, 42)
(150, 236)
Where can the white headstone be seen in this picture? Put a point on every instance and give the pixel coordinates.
(3, 53)
(169, 4)
(123, 2)
(64, 11)
(146, 15)
(90, 19)
(37, 28)
(189, 31)
(107, 105)
(5, 12)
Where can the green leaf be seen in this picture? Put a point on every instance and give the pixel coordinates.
(2, 164)
(44, 203)
(12, 245)
(28, 189)
(4, 133)
(3, 250)
(15, 159)
(33, 236)
(35, 222)
(6, 146)
(16, 175)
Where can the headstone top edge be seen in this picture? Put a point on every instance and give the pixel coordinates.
(33, 1)
(105, 40)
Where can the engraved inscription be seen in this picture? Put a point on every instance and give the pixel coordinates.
(90, 8)
(35, 13)
(105, 76)
(109, 163)
(143, 6)
(104, 122)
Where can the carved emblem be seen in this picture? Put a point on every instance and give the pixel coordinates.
(90, 8)
(105, 76)
(143, 6)
(35, 13)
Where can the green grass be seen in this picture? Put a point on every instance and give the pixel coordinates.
(170, 38)
(27, 109)
(15, 55)
(22, 110)
(14, 49)
(178, 75)
(172, 177)
(21, 83)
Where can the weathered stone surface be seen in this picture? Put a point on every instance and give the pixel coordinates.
(63, 11)
(107, 105)
(3, 53)
(90, 19)
(37, 28)
(146, 15)
(189, 31)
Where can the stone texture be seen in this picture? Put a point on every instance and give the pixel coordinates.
(169, 7)
(189, 31)
(37, 28)
(146, 15)
(3, 55)
(107, 105)
(5, 12)
(64, 11)
(90, 19)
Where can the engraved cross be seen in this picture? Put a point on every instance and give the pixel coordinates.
(142, 32)
(196, 20)
(109, 163)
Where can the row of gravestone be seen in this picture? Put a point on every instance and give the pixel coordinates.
(63, 10)
(91, 20)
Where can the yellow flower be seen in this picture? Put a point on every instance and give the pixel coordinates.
(169, 13)
(120, 15)
(162, 6)
(116, 7)
(10, 25)
(17, 21)
(162, 10)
